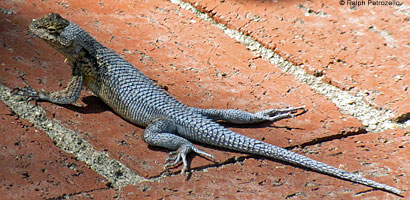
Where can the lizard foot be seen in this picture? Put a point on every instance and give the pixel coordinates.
(175, 157)
(278, 114)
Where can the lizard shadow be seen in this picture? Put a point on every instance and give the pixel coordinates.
(93, 105)
(259, 125)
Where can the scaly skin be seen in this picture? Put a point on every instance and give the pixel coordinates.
(170, 124)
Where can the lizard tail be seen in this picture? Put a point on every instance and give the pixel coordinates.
(209, 132)
(275, 152)
(234, 141)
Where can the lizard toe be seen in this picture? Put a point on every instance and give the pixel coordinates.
(278, 114)
(178, 156)
(176, 161)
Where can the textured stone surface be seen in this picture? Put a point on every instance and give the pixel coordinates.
(361, 49)
(32, 167)
(354, 49)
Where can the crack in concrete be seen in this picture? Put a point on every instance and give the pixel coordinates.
(342, 134)
(403, 118)
(374, 120)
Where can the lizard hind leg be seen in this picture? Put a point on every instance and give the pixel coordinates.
(243, 117)
(162, 133)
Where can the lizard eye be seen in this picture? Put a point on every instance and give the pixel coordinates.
(52, 29)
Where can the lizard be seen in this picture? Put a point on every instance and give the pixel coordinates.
(169, 123)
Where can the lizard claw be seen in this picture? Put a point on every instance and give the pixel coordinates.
(175, 157)
(278, 114)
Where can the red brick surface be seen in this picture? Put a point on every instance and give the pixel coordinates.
(364, 50)
(361, 49)
(32, 167)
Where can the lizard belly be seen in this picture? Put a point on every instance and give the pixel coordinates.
(128, 98)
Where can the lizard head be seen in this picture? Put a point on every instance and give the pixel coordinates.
(50, 29)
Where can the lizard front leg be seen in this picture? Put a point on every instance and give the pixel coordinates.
(66, 96)
(161, 133)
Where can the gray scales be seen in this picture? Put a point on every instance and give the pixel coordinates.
(169, 123)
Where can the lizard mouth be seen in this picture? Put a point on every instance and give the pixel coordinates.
(50, 28)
